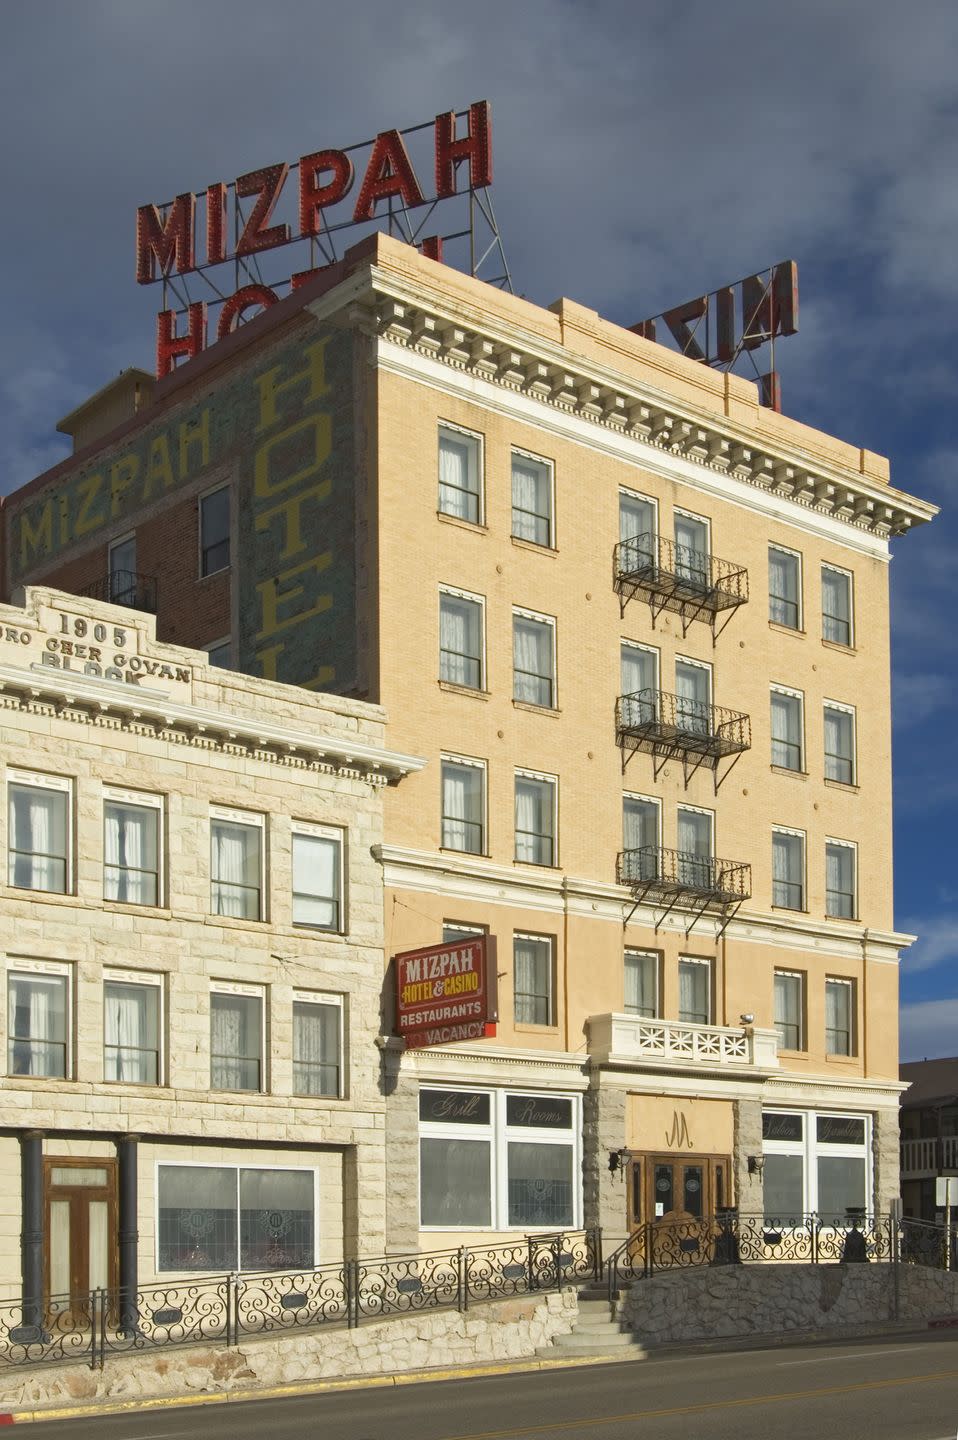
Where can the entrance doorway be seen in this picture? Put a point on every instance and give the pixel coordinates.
(80, 1232)
(676, 1197)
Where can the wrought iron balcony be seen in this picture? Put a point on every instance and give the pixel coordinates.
(678, 879)
(928, 1157)
(636, 1040)
(668, 726)
(692, 583)
(124, 587)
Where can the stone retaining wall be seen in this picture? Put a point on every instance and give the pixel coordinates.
(721, 1302)
(503, 1330)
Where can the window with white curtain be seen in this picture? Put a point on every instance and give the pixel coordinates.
(533, 980)
(535, 818)
(840, 879)
(638, 526)
(693, 697)
(788, 869)
(38, 832)
(787, 729)
(839, 1017)
(785, 587)
(642, 983)
(460, 474)
(837, 625)
(695, 990)
(789, 1008)
(839, 743)
(132, 1027)
(236, 1037)
(131, 847)
(641, 832)
(695, 867)
(317, 1043)
(531, 499)
(236, 863)
(463, 819)
(317, 876)
(692, 558)
(533, 658)
(38, 1019)
(460, 638)
(639, 683)
(453, 930)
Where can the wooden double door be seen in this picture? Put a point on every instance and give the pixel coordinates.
(80, 1232)
(664, 1189)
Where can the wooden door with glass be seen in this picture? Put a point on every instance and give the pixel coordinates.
(80, 1232)
(677, 1198)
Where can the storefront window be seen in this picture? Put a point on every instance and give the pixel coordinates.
(226, 1217)
(540, 1184)
(454, 1179)
(815, 1164)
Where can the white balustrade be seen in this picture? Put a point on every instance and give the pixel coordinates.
(631, 1038)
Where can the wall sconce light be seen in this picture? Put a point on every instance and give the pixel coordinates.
(747, 1019)
(756, 1164)
(617, 1159)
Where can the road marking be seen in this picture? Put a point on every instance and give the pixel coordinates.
(857, 1355)
(702, 1408)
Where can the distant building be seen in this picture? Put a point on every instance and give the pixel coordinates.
(193, 956)
(638, 625)
(929, 1133)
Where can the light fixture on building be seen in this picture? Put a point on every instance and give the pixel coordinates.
(756, 1164)
(617, 1159)
(747, 1018)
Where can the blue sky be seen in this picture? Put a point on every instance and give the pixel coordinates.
(645, 152)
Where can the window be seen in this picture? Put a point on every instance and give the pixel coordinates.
(695, 990)
(531, 499)
(533, 658)
(839, 743)
(453, 930)
(836, 606)
(638, 527)
(789, 1008)
(693, 697)
(236, 864)
(639, 678)
(460, 639)
(460, 474)
(535, 818)
(131, 847)
(215, 531)
(785, 587)
(121, 561)
(38, 1020)
(317, 876)
(498, 1160)
(787, 729)
(640, 835)
(815, 1163)
(236, 1038)
(840, 867)
(533, 990)
(38, 832)
(229, 1217)
(132, 1027)
(317, 1044)
(838, 1017)
(219, 654)
(788, 869)
(692, 560)
(695, 867)
(642, 983)
(463, 805)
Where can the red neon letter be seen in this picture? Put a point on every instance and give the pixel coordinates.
(770, 308)
(216, 224)
(313, 196)
(170, 346)
(476, 144)
(168, 241)
(389, 172)
(431, 247)
(245, 297)
(265, 184)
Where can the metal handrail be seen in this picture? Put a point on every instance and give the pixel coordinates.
(660, 718)
(653, 868)
(124, 587)
(656, 563)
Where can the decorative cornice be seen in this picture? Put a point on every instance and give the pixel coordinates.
(116, 704)
(514, 358)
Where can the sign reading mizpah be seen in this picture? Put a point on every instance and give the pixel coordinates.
(446, 993)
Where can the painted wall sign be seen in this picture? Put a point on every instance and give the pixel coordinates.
(263, 210)
(447, 992)
(282, 427)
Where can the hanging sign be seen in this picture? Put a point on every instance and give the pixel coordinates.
(446, 993)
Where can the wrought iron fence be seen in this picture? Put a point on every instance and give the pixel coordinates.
(729, 1238)
(223, 1308)
(678, 574)
(655, 718)
(124, 587)
(650, 869)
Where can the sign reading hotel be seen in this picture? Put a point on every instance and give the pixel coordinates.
(446, 993)
(244, 218)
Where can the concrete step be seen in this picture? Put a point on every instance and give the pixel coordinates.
(597, 1325)
(597, 1352)
(613, 1339)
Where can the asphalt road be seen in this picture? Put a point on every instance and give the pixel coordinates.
(902, 1389)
